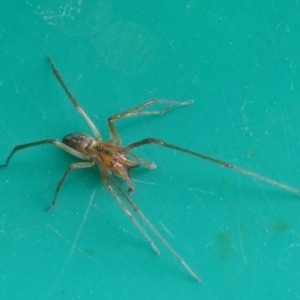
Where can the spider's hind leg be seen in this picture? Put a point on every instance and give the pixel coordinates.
(126, 210)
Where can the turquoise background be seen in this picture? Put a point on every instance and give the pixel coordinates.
(239, 61)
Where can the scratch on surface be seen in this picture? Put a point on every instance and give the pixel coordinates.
(283, 35)
(166, 229)
(244, 104)
(291, 246)
(269, 30)
(22, 232)
(81, 226)
(73, 246)
(286, 143)
(230, 113)
(77, 248)
(209, 244)
(145, 182)
(16, 87)
(66, 12)
(56, 231)
(241, 240)
(191, 249)
(214, 221)
(202, 191)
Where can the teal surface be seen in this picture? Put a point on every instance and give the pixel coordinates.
(239, 61)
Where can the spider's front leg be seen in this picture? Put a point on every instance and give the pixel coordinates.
(137, 111)
(64, 147)
(54, 142)
(76, 104)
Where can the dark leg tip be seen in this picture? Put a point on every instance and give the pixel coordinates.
(49, 207)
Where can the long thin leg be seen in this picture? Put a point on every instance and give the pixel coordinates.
(153, 229)
(74, 101)
(72, 167)
(204, 157)
(136, 111)
(128, 214)
(44, 142)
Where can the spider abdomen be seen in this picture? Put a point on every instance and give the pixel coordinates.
(81, 142)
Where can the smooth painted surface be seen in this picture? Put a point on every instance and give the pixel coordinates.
(239, 61)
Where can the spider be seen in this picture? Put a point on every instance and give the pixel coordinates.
(113, 159)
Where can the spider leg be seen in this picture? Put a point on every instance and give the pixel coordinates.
(53, 141)
(74, 101)
(129, 183)
(137, 111)
(152, 228)
(72, 167)
(127, 212)
(211, 159)
(141, 161)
